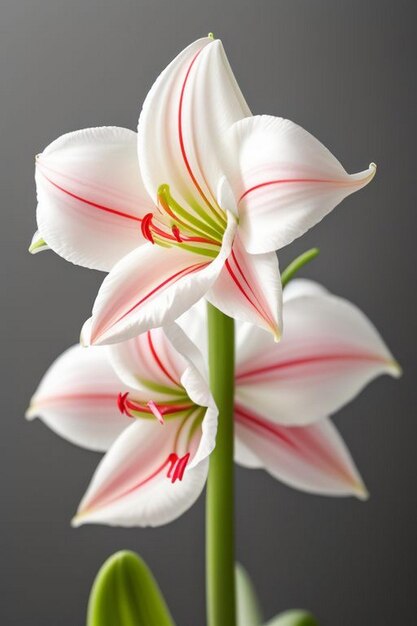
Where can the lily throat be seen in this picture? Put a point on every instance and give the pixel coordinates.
(193, 229)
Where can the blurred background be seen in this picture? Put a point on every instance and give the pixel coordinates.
(345, 70)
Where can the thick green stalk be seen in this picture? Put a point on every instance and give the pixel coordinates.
(220, 557)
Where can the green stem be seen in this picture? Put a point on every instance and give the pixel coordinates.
(295, 266)
(220, 557)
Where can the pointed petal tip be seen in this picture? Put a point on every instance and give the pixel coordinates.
(277, 334)
(85, 335)
(361, 492)
(79, 519)
(395, 368)
(30, 412)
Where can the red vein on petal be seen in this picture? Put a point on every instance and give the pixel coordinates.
(188, 270)
(304, 441)
(242, 290)
(281, 181)
(180, 133)
(267, 317)
(158, 360)
(244, 415)
(93, 397)
(90, 203)
(308, 361)
(100, 501)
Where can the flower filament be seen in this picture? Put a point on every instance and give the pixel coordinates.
(190, 417)
(193, 230)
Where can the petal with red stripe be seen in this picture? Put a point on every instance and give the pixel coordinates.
(249, 289)
(143, 480)
(151, 287)
(182, 125)
(77, 399)
(91, 197)
(284, 180)
(329, 352)
(312, 458)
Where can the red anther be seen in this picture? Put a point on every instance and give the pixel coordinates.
(172, 459)
(122, 404)
(146, 227)
(180, 468)
(176, 233)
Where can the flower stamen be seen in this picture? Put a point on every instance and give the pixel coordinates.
(156, 411)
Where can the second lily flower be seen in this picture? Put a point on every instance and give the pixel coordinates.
(156, 467)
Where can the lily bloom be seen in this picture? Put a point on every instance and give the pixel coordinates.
(148, 403)
(195, 204)
(284, 395)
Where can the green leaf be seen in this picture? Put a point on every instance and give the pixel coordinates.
(248, 612)
(295, 266)
(293, 618)
(125, 593)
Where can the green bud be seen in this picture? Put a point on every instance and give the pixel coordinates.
(125, 593)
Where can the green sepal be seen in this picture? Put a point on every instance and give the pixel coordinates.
(293, 618)
(125, 593)
(295, 266)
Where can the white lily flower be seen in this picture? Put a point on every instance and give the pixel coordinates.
(193, 205)
(150, 408)
(284, 393)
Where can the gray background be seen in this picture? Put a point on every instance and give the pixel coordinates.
(345, 70)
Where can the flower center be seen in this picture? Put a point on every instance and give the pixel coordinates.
(137, 408)
(194, 229)
(190, 417)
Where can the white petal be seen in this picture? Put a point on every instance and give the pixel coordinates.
(249, 289)
(38, 243)
(312, 458)
(302, 287)
(329, 352)
(181, 128)
(195, 381)
(285, 181)
(151, 287)
(163, 364)
(131, 486)
(77, 399)
(194, 324)
(91, 197)
(149, 361)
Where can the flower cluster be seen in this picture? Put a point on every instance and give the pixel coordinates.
(193, 208)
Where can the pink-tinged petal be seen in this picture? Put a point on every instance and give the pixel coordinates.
(183, 122)
(165, 366)
(77, 399)
(285, 181)
(192, 321)
(303, 287)
(194, 379)
(38, 244)
(329, 352)
(136, 483)
(91, 197)
(312, 458)
(149, 362)
(249, 289)
(151, 287)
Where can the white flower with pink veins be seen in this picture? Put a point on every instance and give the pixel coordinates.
(195, 204)
(150, 410)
